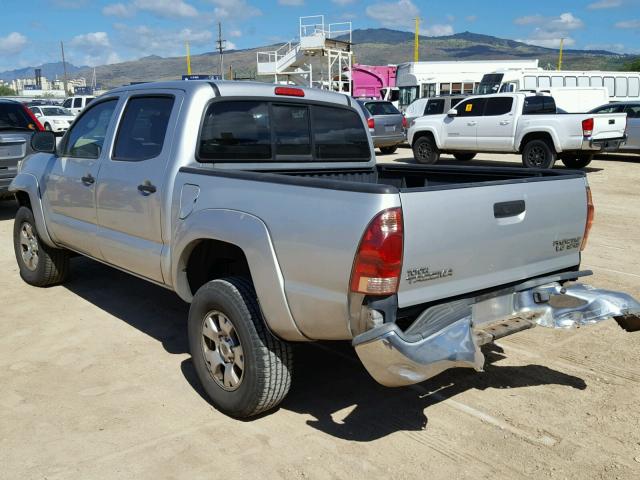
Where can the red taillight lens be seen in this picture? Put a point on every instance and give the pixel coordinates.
(34, 119)
(378, 263)
(289, 91)
(591, 212)
(371, 123)
(587, 127)
(404, 122)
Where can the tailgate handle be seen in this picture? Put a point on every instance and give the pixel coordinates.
(508, 209)
(612, 121)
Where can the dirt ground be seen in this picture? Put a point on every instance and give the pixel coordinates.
(96, 382)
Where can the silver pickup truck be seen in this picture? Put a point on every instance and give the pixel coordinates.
(264, 208)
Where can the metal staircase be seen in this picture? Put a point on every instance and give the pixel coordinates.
(293, 62)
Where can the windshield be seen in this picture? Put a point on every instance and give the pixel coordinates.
(408, 95)
(381, 108)
(490, 83)
(53, 111)
(13, 115)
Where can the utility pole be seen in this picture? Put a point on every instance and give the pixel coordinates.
(222, 44)
(188, 59)
(560, 54)
(416, 41)
(64, 67)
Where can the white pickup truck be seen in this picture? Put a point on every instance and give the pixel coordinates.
(525, 123)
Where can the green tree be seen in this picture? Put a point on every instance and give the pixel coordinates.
(6, 91)
(633, 65)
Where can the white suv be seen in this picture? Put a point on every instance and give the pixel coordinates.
(78, 103)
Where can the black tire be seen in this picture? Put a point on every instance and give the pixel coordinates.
(267, 362)
(47, 127)
(388, 150)
(538, 154)
(579, 161)
(425, 150)
(464, 157)
(51, 265)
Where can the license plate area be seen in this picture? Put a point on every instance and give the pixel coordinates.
(389, 128)
(11, 151)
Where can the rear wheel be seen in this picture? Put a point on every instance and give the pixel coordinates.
(425, 150)
(244, 369)
(40, 265)
(538, 154)
(465, 157)
(579, 161)
(388, 150)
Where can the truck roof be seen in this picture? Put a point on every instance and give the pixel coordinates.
(238, 88)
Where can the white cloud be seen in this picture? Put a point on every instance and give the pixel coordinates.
(234, 9)
(143, 40)
(437, 30)
(235, 33)
(13, 43)
(166, 8)
(93, 48)
(549, 30)
(628, 24)
(604, 4)
(342, 3)
(471, 18)
(91, 40)
(529, 19)
(231, 46)
(397, 14)
(119, 10)
(291, 3)
(612, 47)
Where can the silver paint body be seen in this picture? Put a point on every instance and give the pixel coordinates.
(299, 241)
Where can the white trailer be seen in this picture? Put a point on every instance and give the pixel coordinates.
(620, 86)
(429, 79)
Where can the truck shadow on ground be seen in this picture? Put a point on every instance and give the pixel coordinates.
(8, 209)
(329, 382)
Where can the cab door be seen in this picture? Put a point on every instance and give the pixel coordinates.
(497, 124)
(134, 182)
(461, 129)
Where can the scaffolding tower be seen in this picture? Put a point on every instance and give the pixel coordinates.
(293, 62)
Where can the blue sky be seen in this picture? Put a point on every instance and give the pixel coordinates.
(98, 32)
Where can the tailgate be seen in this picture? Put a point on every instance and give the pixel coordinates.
(388, 125)
(462, 240)
(609, 125)
(13, 147)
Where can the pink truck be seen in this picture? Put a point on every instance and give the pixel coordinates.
(373, 81)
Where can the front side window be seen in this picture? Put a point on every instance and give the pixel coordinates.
(632, 111)
(339, 134)
(471, 108)
(142, 129)
(291, 129)
(434, 107)
(67, 103)
(236, 131)
(86, 137)
(498, 106)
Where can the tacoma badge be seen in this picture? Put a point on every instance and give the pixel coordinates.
(423, 274)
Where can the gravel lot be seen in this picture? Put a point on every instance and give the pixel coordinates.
(96, 382)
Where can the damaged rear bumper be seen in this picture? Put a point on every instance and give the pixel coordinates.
(450, 335)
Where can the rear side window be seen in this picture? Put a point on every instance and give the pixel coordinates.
(609, 109)
(633, 111)
(236, 130)
(77, 102)
(13, 115)
(434, 107)
(339, 134)
(498, 106)
(537, 104)
(291, 129)
(143, 128)
(86, 137)
(471, 108)
(67, 103)
(381, 108)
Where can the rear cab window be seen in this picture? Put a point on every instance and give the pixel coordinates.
(277, 131)
(13, 115)
(538, 104)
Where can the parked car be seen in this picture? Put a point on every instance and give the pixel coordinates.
(521, 122)
(386, 124)
(76, 104)
(263, 207)
(632, 109)
(55, 119)
(431, 106)
(17, 123)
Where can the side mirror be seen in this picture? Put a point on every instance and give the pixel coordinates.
(44, 142)
(452, 113)
(38, 115)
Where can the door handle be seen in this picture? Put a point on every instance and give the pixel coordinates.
(146, 188)
(88, 179)
(471, 124)
(508, 209)
(505, 122)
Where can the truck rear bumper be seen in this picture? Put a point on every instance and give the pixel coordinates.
(450, 335)
(608, 145)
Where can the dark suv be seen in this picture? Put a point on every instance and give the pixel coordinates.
(17, 123)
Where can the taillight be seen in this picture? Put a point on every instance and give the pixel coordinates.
(378, 263)
(404, 122)
(371, 123)
(587, 127)
(289, 91)
(590, 215)
(34, 119)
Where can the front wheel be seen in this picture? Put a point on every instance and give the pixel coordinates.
(244, 369)
(388, 150)
(425, 150)
(579, 161)
(538, 154)
(39, 264)
(465, 157)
